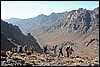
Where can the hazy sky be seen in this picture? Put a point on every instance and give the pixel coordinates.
(30, 9)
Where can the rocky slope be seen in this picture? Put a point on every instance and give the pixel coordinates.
(80, 27)
(49, 59)
(12, 33)
(78, 24)
(80, 20)
(5, 43)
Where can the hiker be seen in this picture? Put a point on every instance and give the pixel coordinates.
(44, 49)
(60, 51)
(69, 51)
(63, 44)
(25, 48)
(14, 50)
(31, 49)
(54, 47)
(20, 49)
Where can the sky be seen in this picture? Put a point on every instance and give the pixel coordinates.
(31, 9)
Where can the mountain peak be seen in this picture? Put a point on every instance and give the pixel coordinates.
(80, 9)
(14, 18)
(41, 15)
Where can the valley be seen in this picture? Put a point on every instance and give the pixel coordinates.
(80, 27)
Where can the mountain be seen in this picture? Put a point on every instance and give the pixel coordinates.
(81, 20)
(77, 28)
(12, 35)
(5, 43)
(80, 24)
(76, 25)
(27, 24)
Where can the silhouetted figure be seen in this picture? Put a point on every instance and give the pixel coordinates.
(31, 49)
(20, 49)
(44, 49)
(55, 48)
(69, 51)
(25, 48)
(14, 50)
(60, 52)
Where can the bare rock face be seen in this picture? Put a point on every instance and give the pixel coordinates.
(5, 43)
(13, 33)
(80, 20)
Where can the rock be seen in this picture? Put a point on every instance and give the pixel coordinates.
(23, 55)
(4, 59)
(33, 56)
(28, 53)
(75, 64)
(92, 64)
(41, 58)
(16, 58)
(3, 63)
(22, 61)
(9, 65)
(18, 64)
(96, 63)
(3, 53)
(27, 64)
(77, 56)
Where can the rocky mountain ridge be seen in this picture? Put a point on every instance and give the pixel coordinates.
(80, 20)
(12, 33)
(27, 24)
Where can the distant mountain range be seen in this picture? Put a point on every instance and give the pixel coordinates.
(26, 24)
(81, 21)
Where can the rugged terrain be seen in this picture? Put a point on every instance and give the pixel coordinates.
(59, 25)
(49, 59)
(80, 27)
(11, 36)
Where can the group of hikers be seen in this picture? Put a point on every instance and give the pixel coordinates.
(22, 49)
(68, 50)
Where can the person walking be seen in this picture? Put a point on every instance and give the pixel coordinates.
(20, 49)
(25, 49)
(44, 49)
(69, 51)
(32, 48)
(60, 52)
(54, 47)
